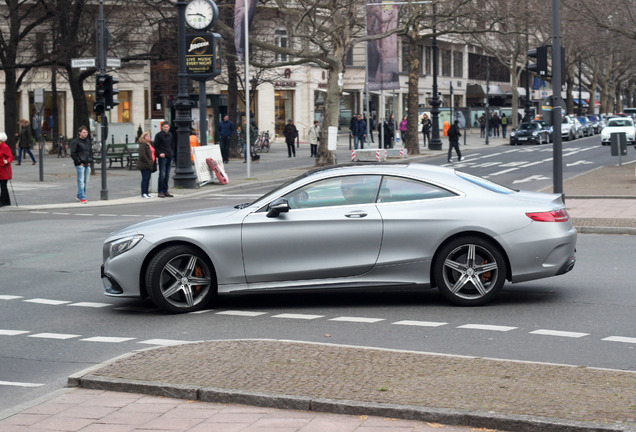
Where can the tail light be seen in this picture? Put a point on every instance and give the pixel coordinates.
(560, 215)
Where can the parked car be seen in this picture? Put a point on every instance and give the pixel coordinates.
(618, 125)
(529, 132)
(345, 227)
(547, 127)
(586, 126)
(571, 128)
(595, 121)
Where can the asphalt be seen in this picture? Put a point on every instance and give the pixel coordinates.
(276, 385)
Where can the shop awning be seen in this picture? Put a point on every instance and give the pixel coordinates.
(479, 90)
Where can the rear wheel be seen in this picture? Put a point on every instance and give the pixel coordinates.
(180, 279)
(469, 271)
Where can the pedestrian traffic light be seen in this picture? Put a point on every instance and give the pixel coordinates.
(100, 93)
(541, 66)
(110, 92)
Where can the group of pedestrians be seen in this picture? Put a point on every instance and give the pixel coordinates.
(25, 143)
(493, 125)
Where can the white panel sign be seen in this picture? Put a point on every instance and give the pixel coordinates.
(332, 143)
(201, 153)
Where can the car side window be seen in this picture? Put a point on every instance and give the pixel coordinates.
(338, 191)
(398, 189)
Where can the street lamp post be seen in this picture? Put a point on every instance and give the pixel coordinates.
(435, 142)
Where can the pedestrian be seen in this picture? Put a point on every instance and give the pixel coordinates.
(163, 147)
(194, 142)
(226, 129)
(291, 133)
(504, 124)
(25, 141)
(359, 132)
(6, 157)
(403, 126)
(453, 141)
(496, 123)
(314, 138)
(253, 138)
(147, 162)
(82, 155)
(482, 126)
(387, 134)
(371, 128)
(426, 128)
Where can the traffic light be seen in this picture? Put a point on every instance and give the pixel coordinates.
(100, 94)
(110, 92)
(541, 66)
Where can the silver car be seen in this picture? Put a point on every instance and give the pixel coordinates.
(360, 226)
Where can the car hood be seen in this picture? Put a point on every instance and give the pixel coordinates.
(179, 220)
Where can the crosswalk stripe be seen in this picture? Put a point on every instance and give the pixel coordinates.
(357, 319)
(298, 316)
(47, 301)
(241, 313)
(12, 332)
(19, 384)
(10, 297)
(54, 336)
(90, 304)
(545, 332)
(164, 342)
(486, 327)
(620, 339)
(107, 339)
(420, 323)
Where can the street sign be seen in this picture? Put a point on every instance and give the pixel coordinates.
(111, 62)
(83, 63)
(38, 99)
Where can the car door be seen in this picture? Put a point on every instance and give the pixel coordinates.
(331, 230)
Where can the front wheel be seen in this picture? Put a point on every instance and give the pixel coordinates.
(266, 146)
(469, 271)
(180, 279)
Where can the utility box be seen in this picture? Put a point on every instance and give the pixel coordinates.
(618, 144)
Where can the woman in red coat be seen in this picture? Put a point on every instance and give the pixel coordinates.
(6, 157)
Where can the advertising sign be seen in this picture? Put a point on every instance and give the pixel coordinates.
(203, 56)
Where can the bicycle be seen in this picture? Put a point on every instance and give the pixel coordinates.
(62, 147)
(262, 142)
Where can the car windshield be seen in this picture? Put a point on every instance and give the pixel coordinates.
(623, 122)
(528, 126)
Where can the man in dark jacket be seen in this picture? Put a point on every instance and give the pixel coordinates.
(226, 129)
(163, 149)
(82, 155)
(453, 141)
(359, 132)
(291, 133)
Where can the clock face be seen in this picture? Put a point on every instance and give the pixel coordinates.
(199, 14)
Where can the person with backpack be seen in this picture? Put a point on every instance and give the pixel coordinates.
(504, 124)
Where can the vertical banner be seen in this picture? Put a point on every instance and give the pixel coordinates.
(382, 53)
(239, 24)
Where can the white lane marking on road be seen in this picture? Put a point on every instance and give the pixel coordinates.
(60, 336)
(84, 214)
(107, 215)
(620, 339)
(130, 215)
(47, 301)
(10, 297)
(236, 195)
(19, 384)
(531, 178)
(241, 313)
(165, 342)
(501, 172)
(91, 304)
(420, 323)
(487, 327)
(298, 316)
(61, 213)
(107, 339)
(39, 212)
(12, 332)
(560, 333)
(357, 319)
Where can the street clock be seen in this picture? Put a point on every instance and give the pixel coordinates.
(201, 14)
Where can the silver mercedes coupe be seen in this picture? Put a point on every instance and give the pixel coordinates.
(380, 226)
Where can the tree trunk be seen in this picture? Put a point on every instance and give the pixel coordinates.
(80, 109)
(412, 143)
(10, 104)
(332, 115)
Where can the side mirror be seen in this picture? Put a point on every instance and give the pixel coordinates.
(277, 207)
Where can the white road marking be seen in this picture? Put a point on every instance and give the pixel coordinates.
(420, 323)
(12, 332)
(47, 301)
(107, 215)
(19, 384)
(91, 304)
(620, 339)
(298, 316)
(61, 213)
(165, 342)
(357, 319)
(531, 178)
(84, 214)
(10, 297)
(559, 333)
(241, 313)
(54, 336)
(502, 172)
(107, 339)
(486, 327)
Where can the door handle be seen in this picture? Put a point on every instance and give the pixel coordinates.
(357, 214)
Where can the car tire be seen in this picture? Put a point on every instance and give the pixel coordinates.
(469, 271)
(180, 279)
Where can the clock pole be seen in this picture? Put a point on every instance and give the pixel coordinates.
(184, 176)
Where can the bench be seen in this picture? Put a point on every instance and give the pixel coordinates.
(122, 153)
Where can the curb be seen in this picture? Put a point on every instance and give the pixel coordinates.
(492, 420)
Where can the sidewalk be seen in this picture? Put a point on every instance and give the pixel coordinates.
(269, 385)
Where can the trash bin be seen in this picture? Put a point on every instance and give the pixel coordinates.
(446, 127)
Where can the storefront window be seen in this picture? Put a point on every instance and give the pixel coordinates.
(284, 109)
(124, 113)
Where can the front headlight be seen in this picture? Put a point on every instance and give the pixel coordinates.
(512, 134)
(535, 133)
(123, 244)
